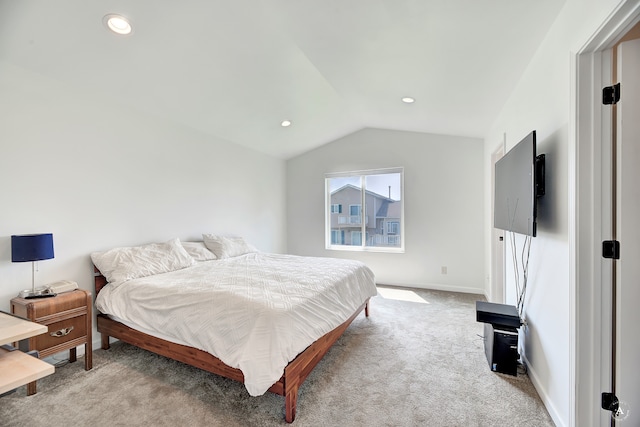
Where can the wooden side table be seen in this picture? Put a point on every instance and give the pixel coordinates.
(68, 317)
(16, 367)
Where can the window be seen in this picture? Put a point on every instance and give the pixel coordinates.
(337, 237)
(373, 221)
(356, 238)
(354, 214)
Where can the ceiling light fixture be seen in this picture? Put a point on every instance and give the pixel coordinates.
(285, 123)
(117, 23)
(408, 100)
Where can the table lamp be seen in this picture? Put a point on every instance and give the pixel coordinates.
(31, 247)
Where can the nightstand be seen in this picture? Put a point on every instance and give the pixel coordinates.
(68, 317)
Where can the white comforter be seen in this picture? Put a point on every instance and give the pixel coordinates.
(255, 312)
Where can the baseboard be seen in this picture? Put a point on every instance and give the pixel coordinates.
(64, 355)
(437, 287)
(551, 409)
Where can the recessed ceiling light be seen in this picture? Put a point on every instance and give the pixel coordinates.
(408, 100)
(117, 23)
(285, 123)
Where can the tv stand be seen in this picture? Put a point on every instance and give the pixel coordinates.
(500, 335)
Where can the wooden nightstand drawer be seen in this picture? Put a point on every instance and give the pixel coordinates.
(62, 332)
(45, 309)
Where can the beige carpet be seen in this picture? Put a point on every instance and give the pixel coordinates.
(408, 364)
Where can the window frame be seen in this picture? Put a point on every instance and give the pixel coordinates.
(362, 174)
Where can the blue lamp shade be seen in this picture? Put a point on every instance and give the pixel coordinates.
(31, 247)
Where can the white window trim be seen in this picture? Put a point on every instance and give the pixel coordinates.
(363, 247)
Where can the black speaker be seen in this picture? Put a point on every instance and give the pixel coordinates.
(501, 348)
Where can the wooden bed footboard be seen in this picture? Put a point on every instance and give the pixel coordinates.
(288, 385)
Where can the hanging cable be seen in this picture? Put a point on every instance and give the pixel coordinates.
(521, 287)
(516, 270)
(526, 251)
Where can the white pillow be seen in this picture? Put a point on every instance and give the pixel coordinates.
(198, 251)
(120, 264)
(227, 247)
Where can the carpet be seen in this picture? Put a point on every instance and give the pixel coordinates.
(418, 360)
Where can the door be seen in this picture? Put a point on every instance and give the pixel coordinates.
(497, 241)
(627, 216)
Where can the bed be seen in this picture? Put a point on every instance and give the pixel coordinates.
(265, 320)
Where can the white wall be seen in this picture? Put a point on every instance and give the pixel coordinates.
(543, 101)
(443, 205)
(97, 175)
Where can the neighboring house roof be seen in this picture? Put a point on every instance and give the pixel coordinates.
(389, 209)
(392, 210)
(353, 187)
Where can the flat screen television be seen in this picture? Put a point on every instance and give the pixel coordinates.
(519, 181)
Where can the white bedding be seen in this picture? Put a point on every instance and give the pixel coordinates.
(255, 312)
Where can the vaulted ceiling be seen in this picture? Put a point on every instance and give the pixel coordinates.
(236, 69)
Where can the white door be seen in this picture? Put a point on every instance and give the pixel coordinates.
(628, 232)
(497, 241)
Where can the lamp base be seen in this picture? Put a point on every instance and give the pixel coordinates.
(36, 293)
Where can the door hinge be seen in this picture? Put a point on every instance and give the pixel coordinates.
(610, 402)
(611, 249)
(611, 94)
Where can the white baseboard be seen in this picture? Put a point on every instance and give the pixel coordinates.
(553, 412)
(438, 287)
(64, 355)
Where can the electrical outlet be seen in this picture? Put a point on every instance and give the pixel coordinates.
(444, 269)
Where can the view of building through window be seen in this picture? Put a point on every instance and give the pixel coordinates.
(365, 209)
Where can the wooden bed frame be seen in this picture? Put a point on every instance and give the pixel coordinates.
(288, 385)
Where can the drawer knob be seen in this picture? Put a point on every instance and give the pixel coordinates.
(62, 332)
